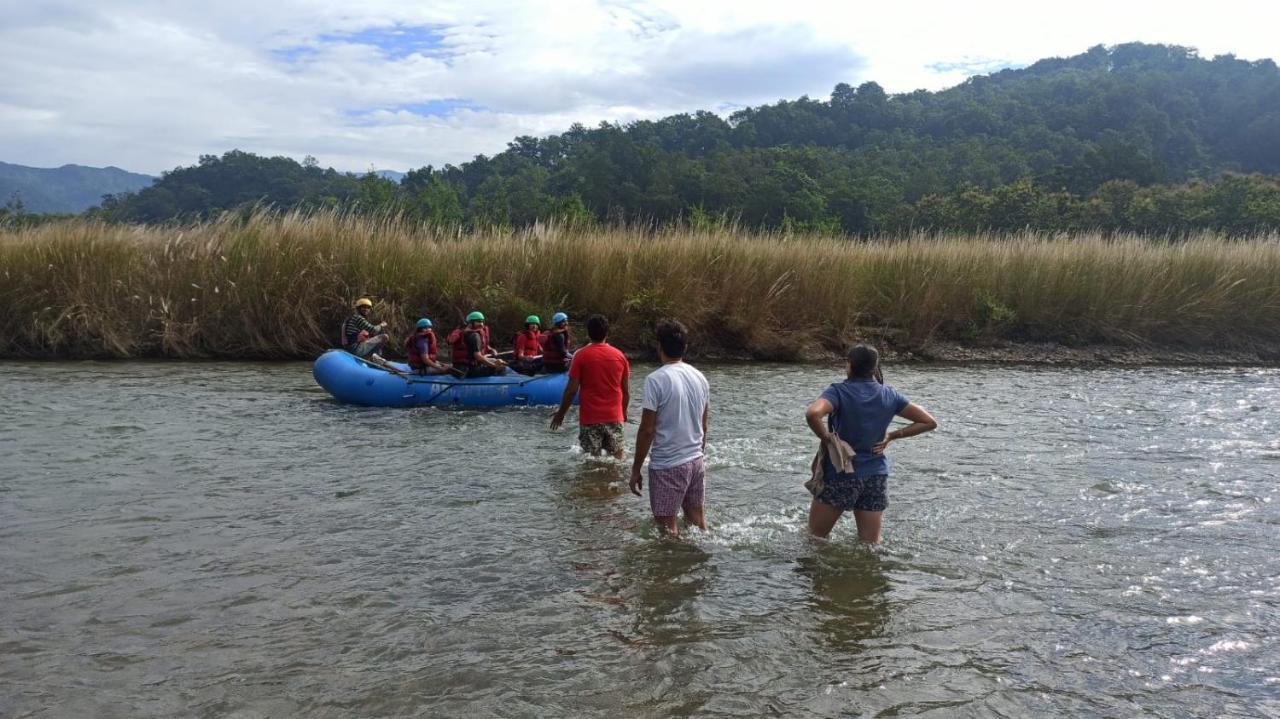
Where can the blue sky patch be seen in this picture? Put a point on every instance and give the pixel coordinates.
(294, 53)
(396, 42)
(429, 108)
(437, 108)
(974, 67)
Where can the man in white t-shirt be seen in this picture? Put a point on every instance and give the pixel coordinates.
(673, 433)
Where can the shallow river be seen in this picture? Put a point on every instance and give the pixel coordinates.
(223, 540)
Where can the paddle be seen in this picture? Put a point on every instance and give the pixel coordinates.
(385, 365)
(447, 370)
(433, 397)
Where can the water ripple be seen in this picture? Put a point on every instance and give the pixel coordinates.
(223, 539)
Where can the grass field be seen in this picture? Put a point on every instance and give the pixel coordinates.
(271, 285)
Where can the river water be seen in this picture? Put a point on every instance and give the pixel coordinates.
(224, 540)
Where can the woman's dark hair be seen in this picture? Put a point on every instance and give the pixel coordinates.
(673, 337)
(597, 328)
(864, 360)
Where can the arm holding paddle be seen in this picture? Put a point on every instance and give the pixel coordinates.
(478, 350)
(491, 362)
(921, 422)
(566, 399)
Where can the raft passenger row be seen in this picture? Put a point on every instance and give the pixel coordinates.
(478, 375)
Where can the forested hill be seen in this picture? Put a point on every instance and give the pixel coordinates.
(1090, 139)
(66, 189)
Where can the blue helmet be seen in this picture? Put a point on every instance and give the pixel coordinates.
(558, 317)
(424, 323)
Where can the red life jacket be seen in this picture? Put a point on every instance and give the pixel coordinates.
(411, 349)
(458, 344)
(551, 355)
(528, 344)
(458, 347)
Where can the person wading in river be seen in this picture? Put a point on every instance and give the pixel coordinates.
(858, 411)
(673, 434)
(603, 374)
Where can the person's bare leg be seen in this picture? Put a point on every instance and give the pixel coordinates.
(822, 517)
(868, 525)
(696, 517)
(667, 525)
(617, 447)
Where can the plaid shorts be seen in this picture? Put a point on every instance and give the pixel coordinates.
(595, 438)
(676, 488)
(845, 492)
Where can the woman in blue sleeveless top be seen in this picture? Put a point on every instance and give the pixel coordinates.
(858, 411)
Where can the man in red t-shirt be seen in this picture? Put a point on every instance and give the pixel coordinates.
(601, 375)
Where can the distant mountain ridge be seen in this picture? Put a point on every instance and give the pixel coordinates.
(67, 189)
(1131, 137)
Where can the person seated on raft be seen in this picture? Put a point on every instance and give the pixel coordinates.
(420, 347)
(361, 337)
(557, 345)
(527, 356)
(471, 350)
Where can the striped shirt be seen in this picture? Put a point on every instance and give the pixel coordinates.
(352, 328)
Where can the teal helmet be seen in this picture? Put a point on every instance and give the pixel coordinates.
(559, 317)
(476, 316)
(533, 320)
(424, 323)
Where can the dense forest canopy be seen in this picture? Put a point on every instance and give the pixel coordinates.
(1136, 136)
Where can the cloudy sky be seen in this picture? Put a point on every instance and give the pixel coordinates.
(148, 85)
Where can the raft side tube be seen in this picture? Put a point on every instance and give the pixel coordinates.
(354, 380)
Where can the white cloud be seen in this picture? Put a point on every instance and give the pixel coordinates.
(148, 85)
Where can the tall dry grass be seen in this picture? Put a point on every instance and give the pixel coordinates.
(277, 285)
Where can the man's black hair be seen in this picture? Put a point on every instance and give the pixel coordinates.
(673, 337)
(597, 328)
(863, 361)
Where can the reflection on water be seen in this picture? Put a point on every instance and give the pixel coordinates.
(850, 594)
(223, 539)
(663, 580)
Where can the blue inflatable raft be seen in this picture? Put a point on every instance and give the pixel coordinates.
(351, 379)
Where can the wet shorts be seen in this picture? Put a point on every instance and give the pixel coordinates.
(845, 492)
(676, 488)
(597, 437)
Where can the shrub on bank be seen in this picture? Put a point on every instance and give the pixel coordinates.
(269, 285)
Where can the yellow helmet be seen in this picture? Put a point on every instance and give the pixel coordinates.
(364, 302)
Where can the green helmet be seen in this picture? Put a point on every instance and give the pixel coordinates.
(533, 320)
(476, 317)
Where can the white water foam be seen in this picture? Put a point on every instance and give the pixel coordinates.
(758, 529)
(1228, 645)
